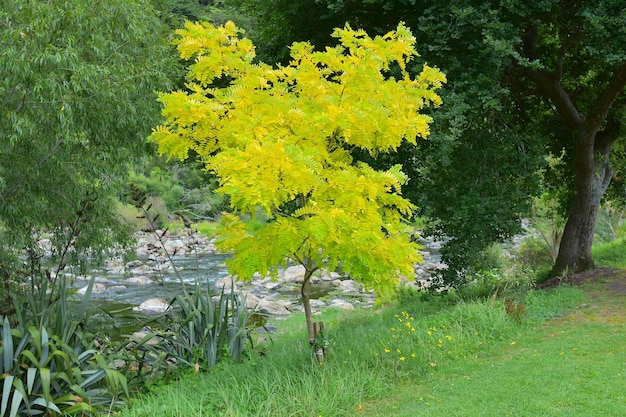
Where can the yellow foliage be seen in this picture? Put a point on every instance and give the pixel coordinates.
(277, 139)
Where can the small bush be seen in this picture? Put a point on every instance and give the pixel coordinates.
(534, 252)
(207, 228)
(136, 220)
(491, 259)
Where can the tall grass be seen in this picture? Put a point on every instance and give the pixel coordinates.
(611, 254)
(370, 353)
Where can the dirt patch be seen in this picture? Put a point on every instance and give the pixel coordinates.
(610, 278)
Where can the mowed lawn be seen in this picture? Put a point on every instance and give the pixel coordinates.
(571, 366)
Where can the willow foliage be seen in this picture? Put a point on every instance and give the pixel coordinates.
(279, 140)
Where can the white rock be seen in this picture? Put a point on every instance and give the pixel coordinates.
(141, 280)
(294, 273)
(225, 282)
(429, 266)
(154, 305)
(97, 289)
(277, 308)
(339, 303)
(118, 287)
(252, 300)
(175, 246)
(349, 286)
(317, 303)
(271, 285)
(142, 270)
(134, 264)
(435, 246)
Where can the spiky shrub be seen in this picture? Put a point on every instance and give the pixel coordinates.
(197, 331)
(47, 359)
(42, 374)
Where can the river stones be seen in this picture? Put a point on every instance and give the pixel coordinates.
(97, 289)
(153, 305)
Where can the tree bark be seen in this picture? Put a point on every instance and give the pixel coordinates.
(306, 303)
(314, 329)
(592, 175)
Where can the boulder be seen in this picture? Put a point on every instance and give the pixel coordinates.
(339, 303)
(118, 288)
(252, 300)
(134, 264)
(273, 307)
(349, 286)
(294, 273)
(139, 280)
(97, 289)
(315, 304)
(153, 305)
(175, 247)
(226, 282)
(272, 285)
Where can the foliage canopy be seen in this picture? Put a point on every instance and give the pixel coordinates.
(279, 141)
(75, 104)
(528, 80)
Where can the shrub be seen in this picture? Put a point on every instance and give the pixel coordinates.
(42, 374)
(48, 362)
(136, 218)
(534, 252)
(196, 332)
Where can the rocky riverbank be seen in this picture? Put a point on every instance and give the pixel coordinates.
(159, 257)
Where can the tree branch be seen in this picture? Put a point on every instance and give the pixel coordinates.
(605, 100)
(549, 83)
(554, 91)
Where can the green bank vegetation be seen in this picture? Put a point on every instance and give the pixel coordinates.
(426, 355)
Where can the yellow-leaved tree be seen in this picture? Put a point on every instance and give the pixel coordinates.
(279, 139)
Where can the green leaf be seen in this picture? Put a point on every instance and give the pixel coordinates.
(7, 346)
(19, 396)
(85, 301)
(49, 405)
(7, 385)
(45, 383)
(27, 354)
(31, 374)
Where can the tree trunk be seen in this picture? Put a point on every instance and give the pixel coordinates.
(306, 303)
(314, 329)
(592, 175)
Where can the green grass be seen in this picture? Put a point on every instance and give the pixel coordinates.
(564, 369)
(428, 356)
(610, 254)
(423, 355)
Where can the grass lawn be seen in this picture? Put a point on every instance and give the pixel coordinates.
(430, 357)
(567, 368)
(571, 366)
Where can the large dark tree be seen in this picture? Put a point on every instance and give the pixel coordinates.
(525, 79)
(574, 56)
